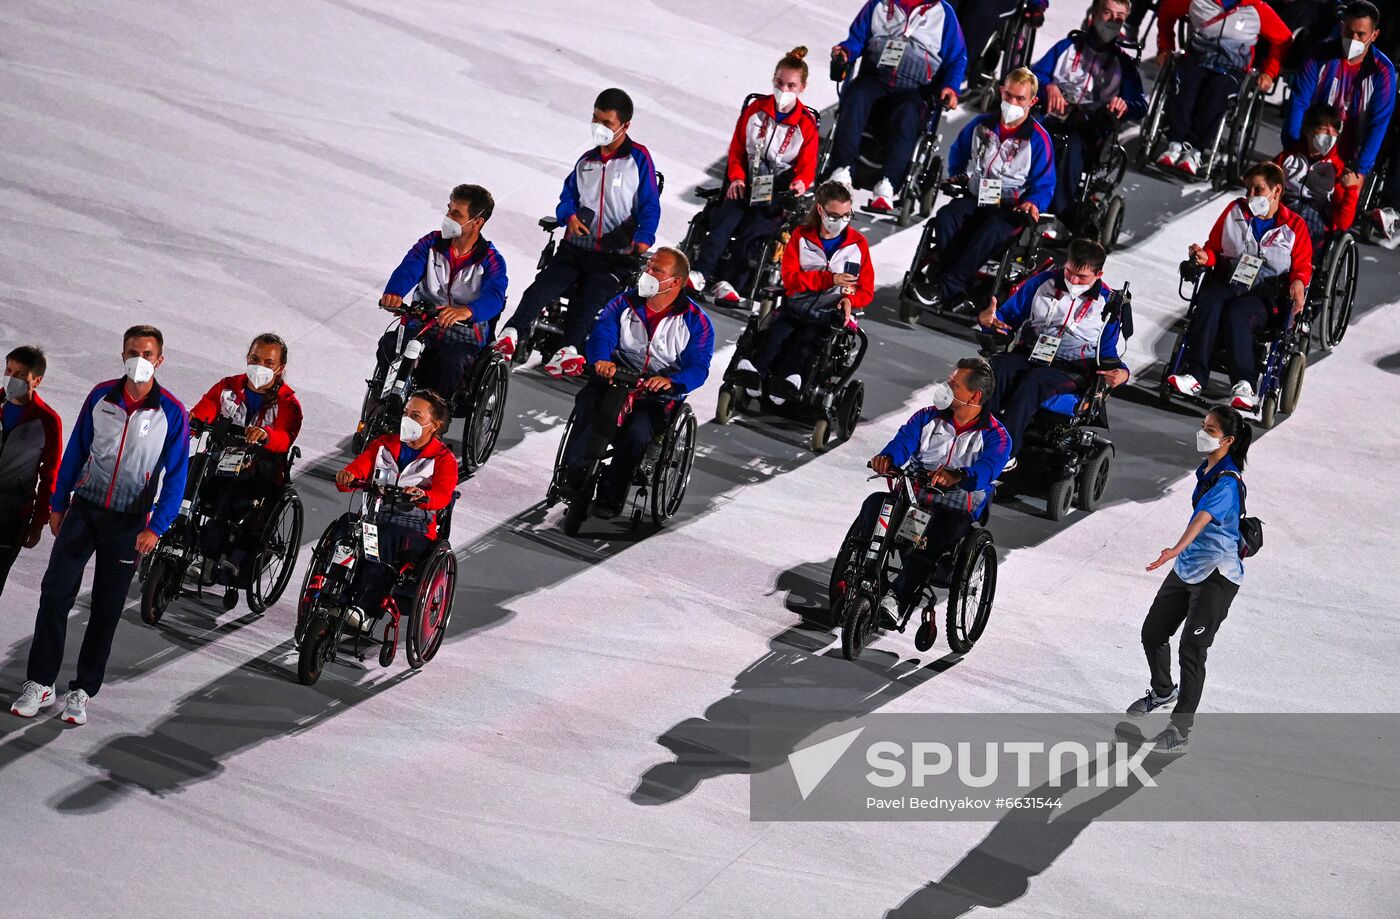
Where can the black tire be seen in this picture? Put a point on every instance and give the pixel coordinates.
(925, 635)
(1093, 480)
(316, 647)
(1112, 224)
(555, 482)
(1268, 414)
(910, 310)
(1059, 499)
(574, 515)
(974, 587)
(849, 408)
(857, 625)
(906, 215)
(162, 585)
(671, 477)
(320, 561)
(1292, 391)
(820, 436)
(388, 644)
(280, 542)
(486, 412)
(432, 608)
(1340, 275)
(724, 405)
(373, 419)
(841, 568)
(1156, 110)
(230, 599)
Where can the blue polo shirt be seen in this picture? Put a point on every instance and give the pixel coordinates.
(1217, 547)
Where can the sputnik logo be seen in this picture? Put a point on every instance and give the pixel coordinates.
(811, 764)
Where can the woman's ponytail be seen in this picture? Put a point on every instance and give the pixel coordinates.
(1233, 424)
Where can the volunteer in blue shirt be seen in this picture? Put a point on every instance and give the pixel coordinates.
(1207, 570)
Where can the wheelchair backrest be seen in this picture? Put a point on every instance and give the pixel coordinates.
(444, 520)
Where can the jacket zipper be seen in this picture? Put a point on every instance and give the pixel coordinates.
(121, 447)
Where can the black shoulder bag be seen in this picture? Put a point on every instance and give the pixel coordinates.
(1251, 528)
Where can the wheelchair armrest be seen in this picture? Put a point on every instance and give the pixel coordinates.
(1190, 271)
(549, 224)
(771, 292)
(992, 343)
(709, 194)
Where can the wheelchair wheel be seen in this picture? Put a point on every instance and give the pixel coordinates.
(841, 568)
(316, 647)
(849, 407)
(671, 476)
(320, 561)
(1164, 388)
(1112, 224)
(432, 607)
(1156, 109)
(1268, 412)
(1093, 480)
(1293, 383)
(857, 625)
(162, 585)
(929, 199)
(974, 587)
(910, 309)
(486, 412)
(556, 480)
(724, 405)
(1059, 499)
(278, 545)
(574, 515)
(1339, 294)
(820, 437)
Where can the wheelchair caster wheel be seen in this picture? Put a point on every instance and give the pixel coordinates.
(389, 644)
(230, 599)
(925, 635)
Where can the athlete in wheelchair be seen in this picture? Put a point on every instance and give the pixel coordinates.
(239, 527)
(1207, 100)
(393, 553)
(1065, 329)
(1004, 179)
(1000, 37)
(772, 162)
(609, 209)
(630, 427)
(456, 282)
(1249, 280)
(928, 530)
(800, 359)
(912, 65)
(1089, 87)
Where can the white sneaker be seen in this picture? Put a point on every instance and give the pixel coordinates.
(1190, 162)
(506, 342)
(697, 281)
(1185, 384)
(749, 374)
(1243, 396)
(724, 292)
(1386, 219)
(32, 698)
(75, 707)
(787, 388)
(566, 362)
(882, 197)
(1170, 155)
(842, 175)
(889, 607)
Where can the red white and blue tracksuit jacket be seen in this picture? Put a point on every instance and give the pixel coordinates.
(1364, 96)
(434, 470)
(431, 273)
(776, 145)
(932, 440)
(807, 268)
(1223, 36)
(1090, 79)
(1286, 247)
(280, 414)
(29, 458)
(936, 56)
(616, 197)
(118, 459)
(1043, 304)
(1023, 159)
(679, 346)
(1316, 181)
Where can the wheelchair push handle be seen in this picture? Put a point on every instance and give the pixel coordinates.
(901, 474)
(415, 310)
(222, 430)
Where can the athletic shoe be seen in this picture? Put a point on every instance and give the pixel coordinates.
(697, 281)
(1387, 219)
(724, 292)
(75, 707)
(1185, 384)
(882, 197)
(749, 377)
(842, 175)
(506, 342)
(1171, 742)
(787, 388)
(1243, 396)
(1150, 703)
(1190, 162)
(566, 362)
(32, 698)
(1170, 156)
(889, 612)
(1010, 465)
(606, 507)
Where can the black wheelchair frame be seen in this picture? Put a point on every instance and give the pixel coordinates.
(1011, 46)
(765, 263)
(1099, 208)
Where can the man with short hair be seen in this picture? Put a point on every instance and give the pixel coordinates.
(119, 488)
(656, 328)
(30, 440)
(458, 271)
(610, 207)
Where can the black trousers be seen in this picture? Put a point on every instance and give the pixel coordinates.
(949, 524)
(968, 235)
(87, 530)
(1241, 315)
(1202, 607)
(597, 276)
(980, 19)
(11, 541)
(1021, 387)
(1197, 107)
(397, 546)
(443, 366)
(742, 225)
(641, 424)
(905, 121)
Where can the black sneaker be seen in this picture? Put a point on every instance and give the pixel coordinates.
(1150, 703)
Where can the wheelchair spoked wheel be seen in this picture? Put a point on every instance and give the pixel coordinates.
(432, 608)
(929, 199)
(162, 585)
(278, 545)
(1093, 480)
(317, 644)
(974, 587)
(556, 483)
(485, 414)
(1156, 112)
(842, 568)
(671, 477)
(1292, 389)
(1339, 292)
(320, 561)
(857, 624)
(372, 414)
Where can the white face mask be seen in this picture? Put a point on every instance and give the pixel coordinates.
(942, 396)
(1323, 143)
(138, 369)
(15, 389)
(833, 226)
(1355, 48)
(1258, 205)
(259, 376)
(451, 229)
(783, 99)
(409, 430)
(1205, 443)
(1011, 113)
(1077, 290)
(602, 134)
(648, 286)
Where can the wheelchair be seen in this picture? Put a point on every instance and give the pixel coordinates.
(764, 262)
(1232, 145)
(1333, 289)
(268, 530)
(1020, 258)
(1373, 189)
(831, 397)
(867, 563)
(326, 619)
(1282, 346)
(658, 484)
(480, 400)
(919, 190)
(1098, 210)
(1061, 458)
(1011, 46)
